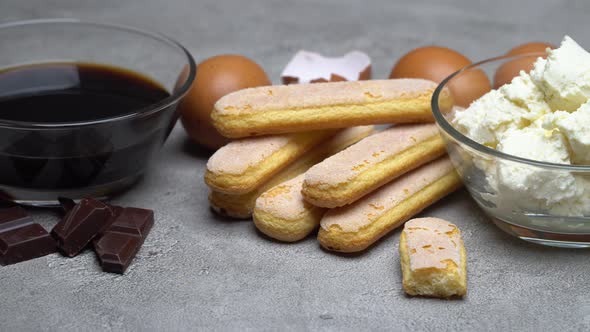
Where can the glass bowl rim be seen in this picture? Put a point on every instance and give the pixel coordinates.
(174, 97)
(463, 139)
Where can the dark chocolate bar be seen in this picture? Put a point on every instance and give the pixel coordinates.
(133, 221)
(123, 239)
(20, 238)
(115, 212)
(80, 225)
(13, 217)
(67, 204)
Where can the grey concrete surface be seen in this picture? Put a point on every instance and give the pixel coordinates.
(197, 271)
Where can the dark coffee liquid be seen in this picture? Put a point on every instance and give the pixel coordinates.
(75, 157)
(54, 93)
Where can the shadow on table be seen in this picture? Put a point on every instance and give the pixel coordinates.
(218, 217)
(194, 150)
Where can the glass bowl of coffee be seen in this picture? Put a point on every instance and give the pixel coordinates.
(84, 106)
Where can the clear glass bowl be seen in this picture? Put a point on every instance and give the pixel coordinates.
(114, 151)
(522, 211)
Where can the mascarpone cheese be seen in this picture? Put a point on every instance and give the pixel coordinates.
(542, 116)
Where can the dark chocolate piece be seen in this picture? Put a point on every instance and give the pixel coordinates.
(81, 225)
(14, 217)
(123, 239)
(67, 204)
(116, 211)
(21, 239)
(133, 221)
(115, 251)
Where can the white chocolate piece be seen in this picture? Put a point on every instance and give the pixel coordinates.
(311, 67)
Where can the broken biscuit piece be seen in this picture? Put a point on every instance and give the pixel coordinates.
(433, 258)
(311, 67)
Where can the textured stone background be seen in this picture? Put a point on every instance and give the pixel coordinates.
(198, 271)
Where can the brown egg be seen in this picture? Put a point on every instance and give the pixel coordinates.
(530, 48)
(437, 63)
(507, 71)
(216, 77)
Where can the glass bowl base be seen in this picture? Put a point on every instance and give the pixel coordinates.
(48, 198)
(552, 239)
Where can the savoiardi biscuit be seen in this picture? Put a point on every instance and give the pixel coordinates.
(356, 171)
(283, 214)
(242, 205)
(356, 226)
(303, 107)
(243, 165)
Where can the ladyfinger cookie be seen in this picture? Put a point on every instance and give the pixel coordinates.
(356, 171)
(243, 165)
(355, 227)
(241, 205)
(303, 107)
(283, 214)
(433, 258)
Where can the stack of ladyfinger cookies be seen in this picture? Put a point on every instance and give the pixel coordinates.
(307, 155)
